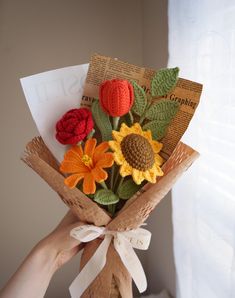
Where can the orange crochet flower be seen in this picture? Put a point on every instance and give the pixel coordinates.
(87, 164)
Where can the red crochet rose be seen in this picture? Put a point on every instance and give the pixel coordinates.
(74, 126)
(116, 97)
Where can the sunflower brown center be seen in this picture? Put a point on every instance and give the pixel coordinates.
(137, 151)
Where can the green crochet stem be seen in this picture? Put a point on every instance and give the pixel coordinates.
(103, 184)
(115, 122)
(116, 180)
(131, 117)
(112, 176)
(120, 183)
(142, 119)
(90, 135)
(112, 208)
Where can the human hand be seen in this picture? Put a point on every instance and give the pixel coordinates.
(60, 244)
(33, 276)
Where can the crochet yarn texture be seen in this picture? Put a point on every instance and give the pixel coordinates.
(74, 126)
(137, 151)
(116, 97)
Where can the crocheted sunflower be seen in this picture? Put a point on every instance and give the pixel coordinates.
(137, 153)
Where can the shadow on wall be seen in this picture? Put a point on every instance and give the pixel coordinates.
(160, 258)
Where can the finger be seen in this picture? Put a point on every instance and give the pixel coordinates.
(70, 241)
(65, 256)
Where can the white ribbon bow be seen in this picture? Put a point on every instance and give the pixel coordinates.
(124, 242)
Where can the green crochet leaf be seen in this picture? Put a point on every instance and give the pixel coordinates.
(128, 119)
(158, 128)
(106, 197)
(164, 81)
(128, 189)
(102, 121)
(140, 101)
(162, 110)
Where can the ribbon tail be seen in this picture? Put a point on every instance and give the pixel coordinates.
(131, 262)
(90, 271)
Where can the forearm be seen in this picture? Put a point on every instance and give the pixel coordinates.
(33, 276)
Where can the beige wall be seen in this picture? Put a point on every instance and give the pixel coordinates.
(40, 35)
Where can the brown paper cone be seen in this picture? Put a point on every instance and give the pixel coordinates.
(40, 159)
(138, 209)
(114, 280)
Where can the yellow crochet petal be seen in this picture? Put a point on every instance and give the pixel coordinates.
(159, 171)
(119, 158)
(125, 169)
(150, 176)
(157, 147)
(136, 128)
(148, 135)
(156, 170)
(158, 160)
(138, 176)
(114, 145)
(117, 136)
(125, 130)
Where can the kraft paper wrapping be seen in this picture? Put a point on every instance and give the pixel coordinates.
(114, 280)
(41, 160)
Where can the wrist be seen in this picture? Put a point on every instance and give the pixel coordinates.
(34, 274)
(46, 252)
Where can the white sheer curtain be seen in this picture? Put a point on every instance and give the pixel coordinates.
(202, 44)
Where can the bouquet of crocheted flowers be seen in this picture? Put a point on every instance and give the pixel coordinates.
(114, 173)
(115, 147)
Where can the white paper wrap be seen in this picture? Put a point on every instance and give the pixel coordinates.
(51, 94)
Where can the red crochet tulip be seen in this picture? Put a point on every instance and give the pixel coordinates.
(116, 97)
(74, 126)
